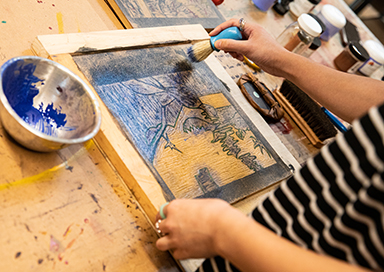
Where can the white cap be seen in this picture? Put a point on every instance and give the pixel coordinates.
(375, 50)
(334, 16)
(309, 25)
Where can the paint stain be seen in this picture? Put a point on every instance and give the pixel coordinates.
(55, 245)
(70, 168)
(39, 261)
(3, 22)
(50, 28)
(86, 220)
(284, 127)
(59, 18)
(17, 255)
(68, 230)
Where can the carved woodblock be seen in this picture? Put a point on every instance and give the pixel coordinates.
(192, 135)
(171, 128)
(154, 13)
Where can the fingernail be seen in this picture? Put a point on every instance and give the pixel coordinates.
(217, 44)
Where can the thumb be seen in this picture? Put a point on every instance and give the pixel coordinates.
(230, 45)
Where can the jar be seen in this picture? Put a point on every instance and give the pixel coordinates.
(351, 58)
(299, 35)
(312, 48)
(263, 5)
(281, 6)
(299, 7)
(376, 58)
(333, 19)
(323, 27)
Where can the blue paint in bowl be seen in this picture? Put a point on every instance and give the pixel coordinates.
(20, 88)
(44, 106)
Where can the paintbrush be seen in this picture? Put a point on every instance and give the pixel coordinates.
(306, 113)
(201, 50)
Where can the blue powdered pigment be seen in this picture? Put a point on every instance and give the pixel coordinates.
(19, 86)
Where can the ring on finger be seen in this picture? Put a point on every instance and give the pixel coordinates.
(157, 226)
(241, 24)
(161, 212)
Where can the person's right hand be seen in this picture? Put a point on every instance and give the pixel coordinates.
(257, 45)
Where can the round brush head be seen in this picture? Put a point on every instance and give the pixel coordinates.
(200, 51)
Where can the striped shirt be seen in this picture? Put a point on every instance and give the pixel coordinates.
(334, 205)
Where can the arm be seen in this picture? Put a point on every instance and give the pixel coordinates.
(348, 96)
(210, 227)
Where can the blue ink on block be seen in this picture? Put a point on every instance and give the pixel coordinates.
(20, 90)
(158, 104)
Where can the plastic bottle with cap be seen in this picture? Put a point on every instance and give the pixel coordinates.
(263, 5)
(376, 58)
(351, 58)
(333, 19)
(299, 7)
(299, 35)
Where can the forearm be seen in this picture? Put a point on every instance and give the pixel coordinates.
(252, 247)
(348, 96)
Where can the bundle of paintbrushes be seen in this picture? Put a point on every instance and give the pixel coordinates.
(306, 113)
(201, 50)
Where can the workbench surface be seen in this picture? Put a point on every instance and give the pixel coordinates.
(69, 210)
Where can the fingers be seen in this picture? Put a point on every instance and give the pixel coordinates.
(164, 243)
(233, 46)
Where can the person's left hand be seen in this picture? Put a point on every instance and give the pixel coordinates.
(191, 227)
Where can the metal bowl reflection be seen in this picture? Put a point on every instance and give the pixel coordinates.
(44, 106)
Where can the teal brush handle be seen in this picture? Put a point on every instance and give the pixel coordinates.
(228, 33)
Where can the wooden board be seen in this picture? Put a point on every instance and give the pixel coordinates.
(113, 137)
(151, 13)
(22, 20)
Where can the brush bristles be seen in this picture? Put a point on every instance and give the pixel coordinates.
(200, 51)
(309, 110)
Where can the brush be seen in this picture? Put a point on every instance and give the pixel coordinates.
(306, 113)
(201, 50)
(335, 121)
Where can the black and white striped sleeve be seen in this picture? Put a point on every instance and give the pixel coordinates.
(335, 204)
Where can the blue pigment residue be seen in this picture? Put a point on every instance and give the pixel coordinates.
(20, 89)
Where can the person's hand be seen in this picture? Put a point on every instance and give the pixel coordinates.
(257, 45)
(191, 227)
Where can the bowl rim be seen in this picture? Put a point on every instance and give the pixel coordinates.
(25, 125)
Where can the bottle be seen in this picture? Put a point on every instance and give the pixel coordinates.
(281, 6)
(299, 35)
(333, 19)
(298, 7)
(312, 48)
(263, 5)
(351, 58)
(376, 58)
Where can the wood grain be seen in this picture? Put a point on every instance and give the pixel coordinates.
(122, 154)
(152, 13)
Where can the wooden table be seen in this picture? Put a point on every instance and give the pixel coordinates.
(69, 210)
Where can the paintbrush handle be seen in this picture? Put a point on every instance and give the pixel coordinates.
(336, 122)
(228, 33)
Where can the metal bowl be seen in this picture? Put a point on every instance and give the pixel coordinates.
(44, 106)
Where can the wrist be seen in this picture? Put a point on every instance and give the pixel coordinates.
(228, 226)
